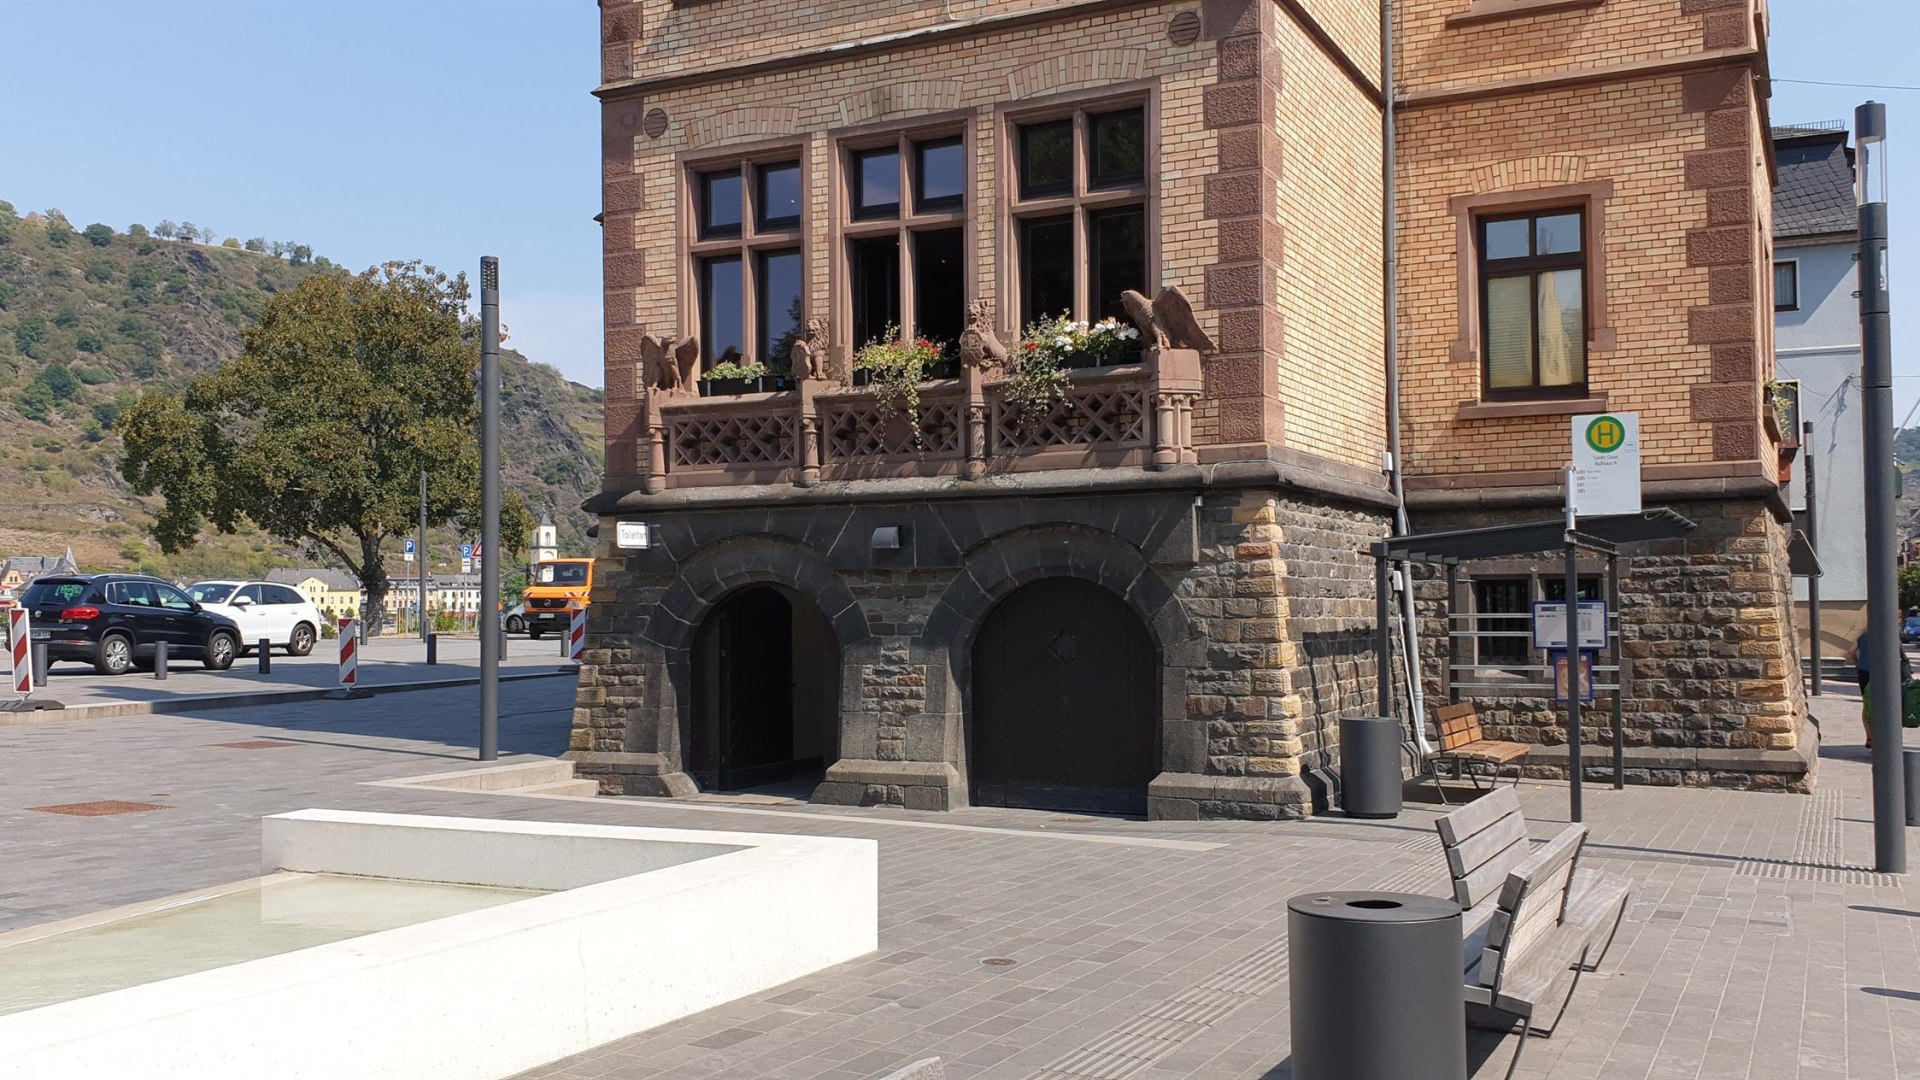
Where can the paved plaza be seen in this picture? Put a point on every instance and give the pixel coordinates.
(1020, 944)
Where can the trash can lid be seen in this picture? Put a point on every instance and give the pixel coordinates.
(1374, 907)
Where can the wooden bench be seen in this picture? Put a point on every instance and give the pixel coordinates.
(1534, 918)
(1463, 743)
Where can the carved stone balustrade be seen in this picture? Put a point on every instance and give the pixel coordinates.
(1132, 415)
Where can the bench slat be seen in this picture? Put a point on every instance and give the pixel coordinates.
(1477, 815)
(1538, 913)
(1544, 859)
(1488, 751)
(1489, 845)
(1540, 975)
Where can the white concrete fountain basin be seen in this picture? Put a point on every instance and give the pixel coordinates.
(632, 928)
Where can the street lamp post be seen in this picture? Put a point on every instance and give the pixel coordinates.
(489, 502)
(1876, 421)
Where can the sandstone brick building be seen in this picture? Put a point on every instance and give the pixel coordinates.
(1613, 159)
(1153, 595)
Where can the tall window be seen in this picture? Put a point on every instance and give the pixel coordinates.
(1080, 197)
(1533, 303)
(1786, 286)
(905, 237)
(746, 261)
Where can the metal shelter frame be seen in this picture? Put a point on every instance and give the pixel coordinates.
(1598, 535)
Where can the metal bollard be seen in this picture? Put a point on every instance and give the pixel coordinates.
(160, 660)
(266, 656)
(433, 648)
(1911, 759)
(41, 660)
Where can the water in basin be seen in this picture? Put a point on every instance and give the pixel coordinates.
(287, 912)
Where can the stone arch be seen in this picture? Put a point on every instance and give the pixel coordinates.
(703, 580)
(734, 125)
(1073, 70)
(907, 96)
(997, 567)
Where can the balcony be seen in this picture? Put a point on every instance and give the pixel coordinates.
(1137, 414)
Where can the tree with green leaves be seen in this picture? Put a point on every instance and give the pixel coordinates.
(1910, 586)
(344, 391)
(98, 234)
(165, 230)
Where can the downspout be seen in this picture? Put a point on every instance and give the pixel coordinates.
(1390, 242)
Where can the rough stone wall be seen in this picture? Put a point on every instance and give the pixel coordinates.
(1250, 598)
(1714, 694)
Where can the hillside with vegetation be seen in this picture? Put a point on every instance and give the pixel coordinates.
(91, 316)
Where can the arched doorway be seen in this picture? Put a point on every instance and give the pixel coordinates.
(1065, 687)
(766, 692)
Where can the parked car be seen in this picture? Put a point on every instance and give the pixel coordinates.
(114, 621)
(1910, 629)
(263, 609)
(515, 619)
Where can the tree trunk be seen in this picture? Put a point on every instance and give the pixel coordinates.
(373, 578)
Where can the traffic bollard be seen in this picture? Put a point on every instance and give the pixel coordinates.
(433, 648)
(160, 660)
(42, 660)
(266, 656)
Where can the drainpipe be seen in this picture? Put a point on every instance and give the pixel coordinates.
(1390, 239)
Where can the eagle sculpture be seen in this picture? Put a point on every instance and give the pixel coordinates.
(669, 374)
(1168, 320)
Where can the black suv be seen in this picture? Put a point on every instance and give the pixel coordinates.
(113, 621)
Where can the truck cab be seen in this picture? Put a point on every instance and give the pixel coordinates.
(555, 590)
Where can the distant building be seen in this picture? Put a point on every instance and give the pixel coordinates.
(19, 571)
(334, 592)
(445, 592)
(1817, 340)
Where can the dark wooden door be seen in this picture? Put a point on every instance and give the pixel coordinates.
(1064, 686)
(743, 692)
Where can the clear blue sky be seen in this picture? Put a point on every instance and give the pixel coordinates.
(444, 130)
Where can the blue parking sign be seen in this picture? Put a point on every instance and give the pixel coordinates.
(466, 551)
(409, 548)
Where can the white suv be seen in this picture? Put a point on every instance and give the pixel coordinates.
(263, 609)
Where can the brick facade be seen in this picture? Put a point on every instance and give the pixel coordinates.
(1650, 115)
(1238, 544)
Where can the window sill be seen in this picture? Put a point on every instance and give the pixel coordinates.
(1502, 410)
(1483, 11)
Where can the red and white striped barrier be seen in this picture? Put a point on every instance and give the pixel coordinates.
(349, 652)
(577, 635)
(20, 642)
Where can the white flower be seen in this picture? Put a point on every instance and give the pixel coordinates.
(1129, 333)
(1063, 341)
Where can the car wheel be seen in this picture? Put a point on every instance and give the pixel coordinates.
(516, 625)
(300, 642)
(221, 648)
(114, 655)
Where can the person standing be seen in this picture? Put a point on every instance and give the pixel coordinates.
(1863, 672)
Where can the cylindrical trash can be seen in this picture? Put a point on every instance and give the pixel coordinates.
(1911, 759)
(1376, 987)
(1370, 766)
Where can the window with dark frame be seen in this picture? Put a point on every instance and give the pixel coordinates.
(905, 237)
(1494, 600)
(1533, 303)
(1081, 212)
(1786, 286)
(749, 287)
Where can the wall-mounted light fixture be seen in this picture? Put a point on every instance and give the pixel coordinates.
(886, 538)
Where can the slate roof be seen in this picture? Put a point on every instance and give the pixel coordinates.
(335, 580)
(1815, 193)
(33, 566)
